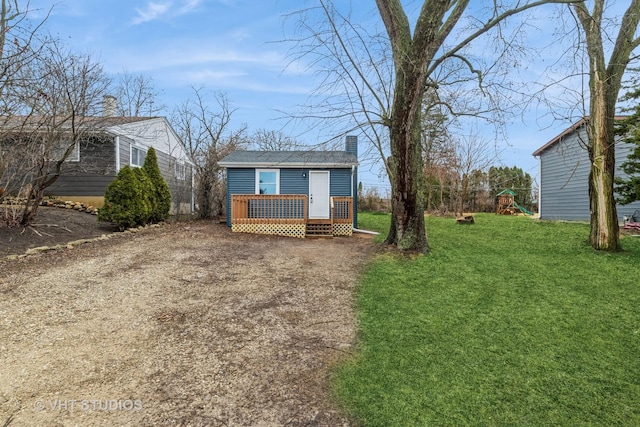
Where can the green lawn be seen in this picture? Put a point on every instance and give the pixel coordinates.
(509, 321)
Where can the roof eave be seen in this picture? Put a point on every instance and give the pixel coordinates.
(556, 139)
(291, 165)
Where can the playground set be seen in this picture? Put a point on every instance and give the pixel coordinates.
(507, 204)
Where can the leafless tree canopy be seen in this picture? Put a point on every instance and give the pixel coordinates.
(208, 136)
(271, 140)
(375, 79)
(136, 95)
(48, 97)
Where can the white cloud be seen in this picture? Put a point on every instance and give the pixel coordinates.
(159, 10)
(189, 5)
(152, 12)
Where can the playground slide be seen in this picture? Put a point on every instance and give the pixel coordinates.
(524, 210)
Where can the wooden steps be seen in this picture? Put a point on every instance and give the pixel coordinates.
(319, 228)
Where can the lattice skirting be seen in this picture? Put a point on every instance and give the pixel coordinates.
(342, 229)
(290, 230)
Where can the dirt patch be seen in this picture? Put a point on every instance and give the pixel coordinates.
(188, 324)
(53, 226)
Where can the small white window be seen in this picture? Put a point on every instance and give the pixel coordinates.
(267, 181)
(137, 156)
(181, 171)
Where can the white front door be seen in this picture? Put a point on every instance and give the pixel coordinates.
(319, 194)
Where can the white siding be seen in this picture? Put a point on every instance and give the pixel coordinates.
(156, 133)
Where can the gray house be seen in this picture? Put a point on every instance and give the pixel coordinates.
(109, 144)
(293, 193)
(564, 174)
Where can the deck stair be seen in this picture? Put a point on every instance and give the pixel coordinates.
(319, 228)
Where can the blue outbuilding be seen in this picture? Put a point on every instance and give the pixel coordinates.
(293, 193)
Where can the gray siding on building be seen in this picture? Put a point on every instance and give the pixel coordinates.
(565, 167)
(180, 188)
(166, 164)
(80, 185)
(91, 175)
(125, 151)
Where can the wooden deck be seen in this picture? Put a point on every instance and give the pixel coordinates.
(287, 214)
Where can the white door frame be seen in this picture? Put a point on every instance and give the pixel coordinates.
(319, 206)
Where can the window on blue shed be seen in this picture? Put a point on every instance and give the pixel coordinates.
(267, 181)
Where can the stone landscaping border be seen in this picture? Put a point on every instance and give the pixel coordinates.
(73, 244)
(80, 207)
(56, 203)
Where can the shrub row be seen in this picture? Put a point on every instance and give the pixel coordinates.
(137, 196)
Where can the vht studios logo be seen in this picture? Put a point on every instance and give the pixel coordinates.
(88, 405)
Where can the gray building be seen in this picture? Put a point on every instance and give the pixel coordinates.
(564, 174)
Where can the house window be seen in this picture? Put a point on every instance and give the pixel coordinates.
(181, 171)
(56, 153)
(137, 156)
(267, 181)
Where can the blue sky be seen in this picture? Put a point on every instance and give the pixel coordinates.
(233, 46)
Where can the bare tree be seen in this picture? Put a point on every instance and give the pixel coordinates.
(20, 44)
(51, 109)
(385, 93)
(472, 154)
(136, 95)
(208, 137)
(605, 81)
(270, 140)
(20, 41)
(417, 54)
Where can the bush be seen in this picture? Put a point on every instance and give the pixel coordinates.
(162, 195)
(148, 194)
(370, 201)
(127, 201)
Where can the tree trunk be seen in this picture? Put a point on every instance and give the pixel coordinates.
(407, 205)
(604, 85)
(604, 217)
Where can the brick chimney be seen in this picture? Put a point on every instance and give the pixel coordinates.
(109, 106)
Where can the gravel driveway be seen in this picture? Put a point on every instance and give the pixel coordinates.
(187, 324)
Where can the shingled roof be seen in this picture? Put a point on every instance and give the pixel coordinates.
(290, 159)
(87, 123)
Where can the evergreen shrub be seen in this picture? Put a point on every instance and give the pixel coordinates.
(161, 192)
(127, 201)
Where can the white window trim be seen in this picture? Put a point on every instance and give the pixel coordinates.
(277, 171)
(131, 148)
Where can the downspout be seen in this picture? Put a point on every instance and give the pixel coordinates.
(540, 188)
(193, 197)
(117, 154)
(357, 230)
(353, 197)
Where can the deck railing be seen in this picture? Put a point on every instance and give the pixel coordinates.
(269, 209)
(284, 209)
(342, 209)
